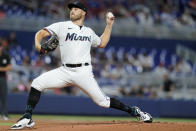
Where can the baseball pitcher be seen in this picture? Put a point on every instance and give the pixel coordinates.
(75, 41)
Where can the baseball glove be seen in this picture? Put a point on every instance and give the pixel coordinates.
(50, 45)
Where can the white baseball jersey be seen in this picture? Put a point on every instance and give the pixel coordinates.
(75, 44)
(74, 41)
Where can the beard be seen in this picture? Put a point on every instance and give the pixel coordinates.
(75, 17)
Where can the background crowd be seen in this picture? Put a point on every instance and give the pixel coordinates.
(120, 71)
(172, 13)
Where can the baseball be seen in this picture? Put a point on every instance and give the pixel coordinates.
(110, 15)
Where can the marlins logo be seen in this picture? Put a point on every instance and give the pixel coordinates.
(75, 37)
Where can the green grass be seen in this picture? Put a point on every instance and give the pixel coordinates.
(76, 118)
(6, 124)
(101, 118)
(91, 118)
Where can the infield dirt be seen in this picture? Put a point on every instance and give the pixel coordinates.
(43, 125)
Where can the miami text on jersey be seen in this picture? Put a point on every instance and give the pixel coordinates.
(74, 36)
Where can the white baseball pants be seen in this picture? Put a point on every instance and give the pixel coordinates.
(81, 77)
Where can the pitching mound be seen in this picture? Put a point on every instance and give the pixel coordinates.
(107, 126)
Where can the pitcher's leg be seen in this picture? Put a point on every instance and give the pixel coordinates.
(86, 82)
(51, 79)
(56, 78)
(89, 85)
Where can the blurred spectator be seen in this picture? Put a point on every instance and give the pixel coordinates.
(4, 43)
(102, 56)
(140, 92)
(126, 58)
(119, 10)
(26, 61)
(114, 58)
(136, 63)
(192, 4)
(150, 93)
(2, 14)
(4, 67)
(39, 62)
(12, 41)
(168, 86)
(21, 88)
(135, 60)
(166, 16)
(106, 71)
(183, 66)
(56, 10)
(133, 91)
(136, 91)
(118, 72)
(122, 91)
(144, 18)
(146, 61)
(188, 19)
(160, 71)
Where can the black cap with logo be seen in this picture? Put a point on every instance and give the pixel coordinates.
(78, 5)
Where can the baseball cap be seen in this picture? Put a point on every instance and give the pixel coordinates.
(78, 5)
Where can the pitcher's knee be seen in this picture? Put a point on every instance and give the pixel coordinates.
(36, 84)
(104, 102)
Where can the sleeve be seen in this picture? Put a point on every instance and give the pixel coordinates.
(53, 28)
(96, 40)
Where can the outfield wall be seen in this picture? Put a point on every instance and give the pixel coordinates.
(70, 105)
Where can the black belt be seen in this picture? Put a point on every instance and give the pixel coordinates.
(75, 65)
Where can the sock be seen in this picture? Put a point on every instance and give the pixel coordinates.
(116, 104)
(33, 99)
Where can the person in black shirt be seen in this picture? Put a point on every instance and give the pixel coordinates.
(4, 67)
(168, 86)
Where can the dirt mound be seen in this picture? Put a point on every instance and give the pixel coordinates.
(41, 125)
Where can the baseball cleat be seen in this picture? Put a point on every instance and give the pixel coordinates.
(5, 117)
(143, 116)
(22, 123)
